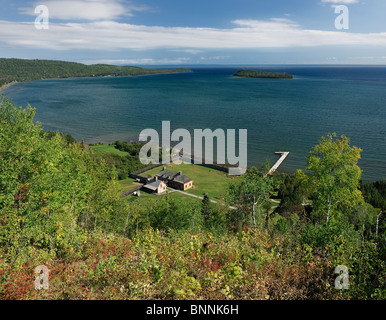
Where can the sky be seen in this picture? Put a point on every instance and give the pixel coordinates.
(191, 32)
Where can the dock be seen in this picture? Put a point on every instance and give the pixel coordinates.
(278, 162)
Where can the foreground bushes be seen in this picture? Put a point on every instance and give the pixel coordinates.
(183, 265)
(153, 265)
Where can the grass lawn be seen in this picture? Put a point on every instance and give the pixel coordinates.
(205, 179)
(108, 148)
(126, 185)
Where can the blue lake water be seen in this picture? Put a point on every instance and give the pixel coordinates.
(279, 114)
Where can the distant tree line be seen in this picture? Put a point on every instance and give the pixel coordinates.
(124, 164)
(20, 70)
(245, 73)
(51, 134)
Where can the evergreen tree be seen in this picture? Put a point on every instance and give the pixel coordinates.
(206, 209)
(82, 144)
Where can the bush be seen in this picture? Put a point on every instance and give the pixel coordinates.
(123, 164)
(50, 191)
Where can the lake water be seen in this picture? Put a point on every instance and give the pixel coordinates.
(280, 115)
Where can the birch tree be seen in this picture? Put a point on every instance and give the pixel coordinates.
(333, 164)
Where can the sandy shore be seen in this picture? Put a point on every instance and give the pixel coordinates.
(5, 86)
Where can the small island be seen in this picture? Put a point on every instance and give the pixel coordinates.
(19, 70)
(244, 73)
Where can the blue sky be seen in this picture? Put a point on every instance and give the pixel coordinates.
(185, 32)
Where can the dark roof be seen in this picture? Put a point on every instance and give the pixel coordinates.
(166, 174)
(173, 176)
(181, 178)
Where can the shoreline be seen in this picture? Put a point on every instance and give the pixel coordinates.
(7, 85)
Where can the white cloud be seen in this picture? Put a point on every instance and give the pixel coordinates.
(109, 35)
(215, 58)
(191, 51)
(83, 9)
(341, 1)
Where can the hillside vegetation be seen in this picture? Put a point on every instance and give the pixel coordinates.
(19, 70)
(59, 208)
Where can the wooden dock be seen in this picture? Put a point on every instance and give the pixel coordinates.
(278, 162)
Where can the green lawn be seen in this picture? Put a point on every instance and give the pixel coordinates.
(214, 182)
(126, 185)
(108, 148)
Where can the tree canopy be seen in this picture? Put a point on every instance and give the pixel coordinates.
(333, 165)
(252, 196)
(49, 190)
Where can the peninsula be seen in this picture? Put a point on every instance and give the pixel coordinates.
(245, 73)
(20, 70)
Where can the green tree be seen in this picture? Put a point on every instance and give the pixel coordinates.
(214, 217)
(167, 214)
(374, 193)
(293, 191)
(206, 208)
(50, 192)
(333, 165)
(83, 145)
(252, 196)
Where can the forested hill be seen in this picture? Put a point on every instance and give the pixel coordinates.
(19, 70)
(244, 73)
